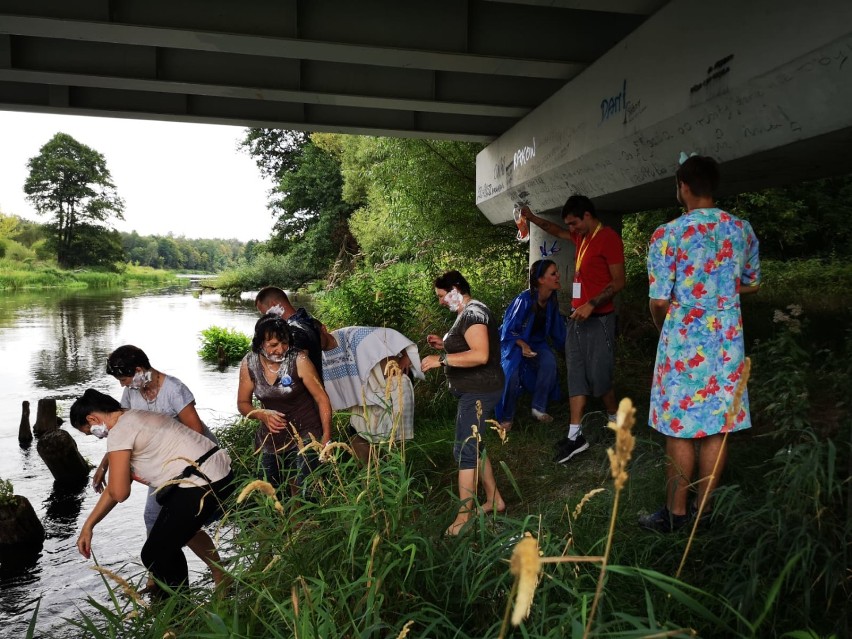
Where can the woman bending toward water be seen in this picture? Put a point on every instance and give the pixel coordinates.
(151, 448)
(146, 388)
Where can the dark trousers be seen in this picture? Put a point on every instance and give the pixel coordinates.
(178, 522)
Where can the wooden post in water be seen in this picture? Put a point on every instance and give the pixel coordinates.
(25, 435)
(59, 451)
(46, 420)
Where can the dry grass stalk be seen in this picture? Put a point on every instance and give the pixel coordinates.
(585, 500)
(619, 457)
(376, 540)
(294, 597)
(263, 486)
(128, 590)
(404, 632)
(501, 432)
(325, 454)
(526, 566)
(730, 415)
(272, 562)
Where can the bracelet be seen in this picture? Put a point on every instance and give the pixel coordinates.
(443, 360)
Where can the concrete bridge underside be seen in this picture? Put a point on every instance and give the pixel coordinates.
(591, 96)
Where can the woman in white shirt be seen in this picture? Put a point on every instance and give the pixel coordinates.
(152, 448)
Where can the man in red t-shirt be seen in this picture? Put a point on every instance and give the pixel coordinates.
(590, 346)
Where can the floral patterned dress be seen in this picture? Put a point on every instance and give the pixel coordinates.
(699, 262)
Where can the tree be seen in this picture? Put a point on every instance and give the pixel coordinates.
(70, 181)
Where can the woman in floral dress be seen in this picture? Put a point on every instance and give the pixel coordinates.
(698, 265)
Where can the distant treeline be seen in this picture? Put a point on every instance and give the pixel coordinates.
(181, 253)
(26, 241)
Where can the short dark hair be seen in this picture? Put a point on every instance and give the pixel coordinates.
(577, 205)
(270, 295)
(537, 269)
(122, 362)
(450, 279)
(701, 174)
(269, 326)
(91, 401)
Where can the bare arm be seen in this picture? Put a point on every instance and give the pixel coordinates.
(748, 290)
(119, 475)
(547, 226)
(105, 504)
(98, 479)
(616, 272)
(273, 420)
(659, 309)
(189, 418)
(308, 372)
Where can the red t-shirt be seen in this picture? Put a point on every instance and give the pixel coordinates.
(598, 253)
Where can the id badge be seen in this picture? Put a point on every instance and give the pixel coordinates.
(575, 290)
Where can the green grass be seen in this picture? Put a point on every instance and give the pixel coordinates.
(16, 275)
(370, 556)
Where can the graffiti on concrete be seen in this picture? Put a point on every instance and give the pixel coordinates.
(615, 104)
(716, 71)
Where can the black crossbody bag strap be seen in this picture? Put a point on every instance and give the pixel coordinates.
(196, 470)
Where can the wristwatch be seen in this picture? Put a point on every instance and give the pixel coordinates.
(443, 359)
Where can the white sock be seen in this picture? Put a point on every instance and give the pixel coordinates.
(573, 431)
(612, 418)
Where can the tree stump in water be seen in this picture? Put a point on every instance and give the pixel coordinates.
(59, 451)
(21, 532)
(25, 435)
(46, 420)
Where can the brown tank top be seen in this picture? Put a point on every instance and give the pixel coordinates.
(288, 395)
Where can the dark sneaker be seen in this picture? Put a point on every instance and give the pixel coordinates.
(704, 521)
(663, 521)
(567, 448)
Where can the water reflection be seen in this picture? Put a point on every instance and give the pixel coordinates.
(62, 509)
(54, 345)
(76, 346)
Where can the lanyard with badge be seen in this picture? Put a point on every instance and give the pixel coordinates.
(581, 253)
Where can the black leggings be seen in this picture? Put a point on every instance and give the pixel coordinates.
(178, 522)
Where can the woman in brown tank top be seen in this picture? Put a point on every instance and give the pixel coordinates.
(294, 403)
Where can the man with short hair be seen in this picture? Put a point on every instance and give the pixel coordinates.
(590, 345)
(698, 266)
(306, 329)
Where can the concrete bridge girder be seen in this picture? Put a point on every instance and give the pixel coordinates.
(763, 90)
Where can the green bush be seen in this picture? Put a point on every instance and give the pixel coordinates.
(223, 345)
(7, 493)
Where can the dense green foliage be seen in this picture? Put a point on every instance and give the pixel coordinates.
(71, 183)
(181, 253)
(7, 493)
(368, 557)
(223, 346)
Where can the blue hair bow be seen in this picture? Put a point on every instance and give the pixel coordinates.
(684, 157)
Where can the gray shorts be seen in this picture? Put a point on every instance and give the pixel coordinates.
(590, 353)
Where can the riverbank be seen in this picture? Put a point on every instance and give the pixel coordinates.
(16, 275)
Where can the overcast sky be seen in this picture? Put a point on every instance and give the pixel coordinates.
(188, 179)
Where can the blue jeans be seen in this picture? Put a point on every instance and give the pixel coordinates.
(466, 449)
(536, 375)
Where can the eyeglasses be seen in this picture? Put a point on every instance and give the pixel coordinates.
(119, 371)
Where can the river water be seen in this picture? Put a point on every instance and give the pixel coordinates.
(54, 345)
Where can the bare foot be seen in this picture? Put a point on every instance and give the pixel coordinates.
(456, 527)
(542, 417)
(489, 507)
